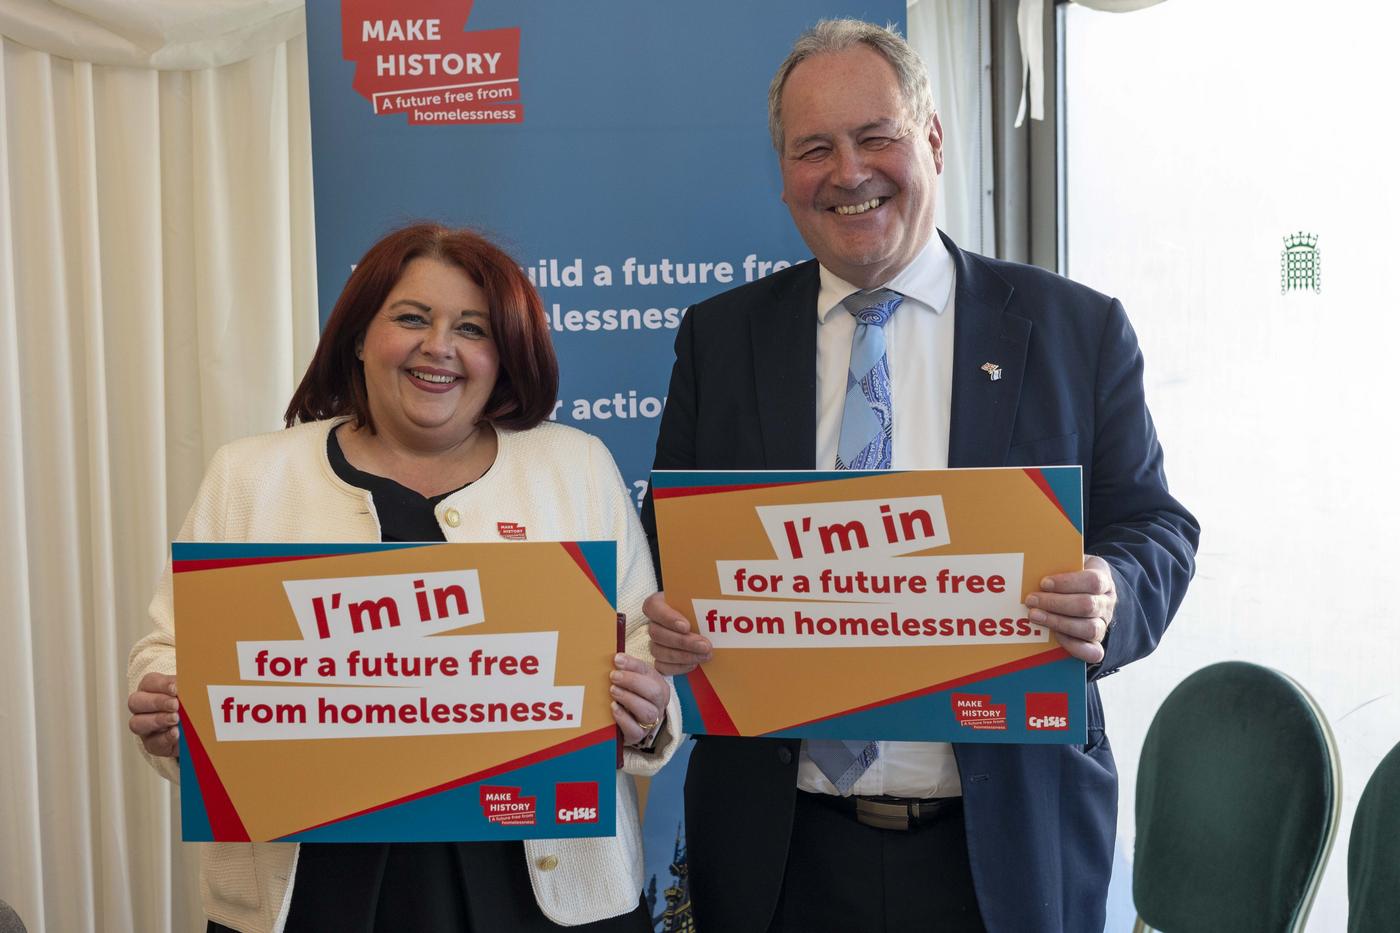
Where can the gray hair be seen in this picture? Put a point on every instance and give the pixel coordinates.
(840, 35)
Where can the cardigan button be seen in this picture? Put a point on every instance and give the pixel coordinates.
(785, 755)
(452, 517)
(548, 863)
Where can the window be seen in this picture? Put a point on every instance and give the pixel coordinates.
(1230, 176)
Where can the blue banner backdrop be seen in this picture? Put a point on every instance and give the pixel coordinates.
(619, 151)
(641, 154)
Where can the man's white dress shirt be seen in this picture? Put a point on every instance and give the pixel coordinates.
(919, 345)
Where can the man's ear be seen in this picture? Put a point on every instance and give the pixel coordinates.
(935, 140)
(782, 179)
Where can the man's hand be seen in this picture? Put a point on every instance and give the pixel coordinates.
(1077, 607)
(155, 714)
(673, 648)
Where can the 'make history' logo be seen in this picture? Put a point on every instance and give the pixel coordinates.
(416, 57)
(977, 711)
(506, 806)
(1300, 263)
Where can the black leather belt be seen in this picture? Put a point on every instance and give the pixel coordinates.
(901, 813)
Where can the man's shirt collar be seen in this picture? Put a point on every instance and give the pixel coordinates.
(928, 280)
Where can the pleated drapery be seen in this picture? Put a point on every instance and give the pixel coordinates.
(954, 39)
(157, 299)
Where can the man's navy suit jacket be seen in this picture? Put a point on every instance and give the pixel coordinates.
(1041, 819)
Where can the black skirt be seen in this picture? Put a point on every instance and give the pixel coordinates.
(462, 887)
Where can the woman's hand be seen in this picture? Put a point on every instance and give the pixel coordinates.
(639, 697)
(155, 714)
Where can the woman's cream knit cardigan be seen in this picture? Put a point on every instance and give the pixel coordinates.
(561, 485)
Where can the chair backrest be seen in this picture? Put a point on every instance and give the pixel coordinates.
(1373, 862)
(9, 920)
(1238, 792)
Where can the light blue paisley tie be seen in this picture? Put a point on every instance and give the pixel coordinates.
(867, 443)
(867, 421)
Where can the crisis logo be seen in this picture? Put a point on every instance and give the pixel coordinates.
(576, 802)
(1047, 711)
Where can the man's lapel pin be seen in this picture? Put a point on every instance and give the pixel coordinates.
(992, 370)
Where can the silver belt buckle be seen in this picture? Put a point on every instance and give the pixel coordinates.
(882, 815)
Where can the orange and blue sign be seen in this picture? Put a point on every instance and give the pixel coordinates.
(874, 605)
(396, 692)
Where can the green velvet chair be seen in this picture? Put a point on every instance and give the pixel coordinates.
(1238, 791)
(1373, 862)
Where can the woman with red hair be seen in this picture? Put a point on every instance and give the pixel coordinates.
(422, 417)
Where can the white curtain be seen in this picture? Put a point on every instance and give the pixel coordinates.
(954, 39)
(157, 298)
(1030, 25)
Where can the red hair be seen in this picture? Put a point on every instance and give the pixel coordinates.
(528, 382)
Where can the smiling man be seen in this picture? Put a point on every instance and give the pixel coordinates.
(860, 164)
(895, 349)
